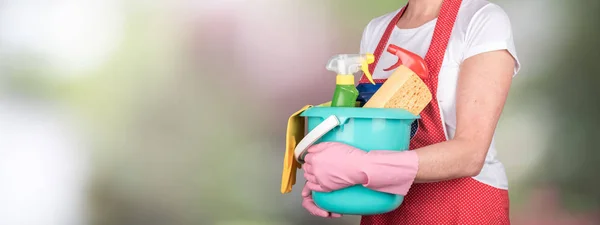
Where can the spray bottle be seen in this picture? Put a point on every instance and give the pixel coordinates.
(345, 66)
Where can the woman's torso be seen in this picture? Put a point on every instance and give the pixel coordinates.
(418, 41)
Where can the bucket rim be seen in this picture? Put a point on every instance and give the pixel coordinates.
(359, 112)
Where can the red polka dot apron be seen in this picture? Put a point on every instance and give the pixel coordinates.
(459, 201)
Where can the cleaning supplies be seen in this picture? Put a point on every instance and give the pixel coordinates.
(345, 65)
(405, 88)
(363, 128)
(409, 59)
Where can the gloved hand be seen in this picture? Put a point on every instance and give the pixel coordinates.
(312, 208)
(332, 166)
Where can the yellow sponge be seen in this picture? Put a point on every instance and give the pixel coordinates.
(403, 89)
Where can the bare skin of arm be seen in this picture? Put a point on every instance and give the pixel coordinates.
(483, 84)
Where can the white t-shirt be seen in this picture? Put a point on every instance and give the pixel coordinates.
(480, 27)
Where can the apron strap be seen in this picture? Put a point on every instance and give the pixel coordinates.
(431, 128)
(382, 45)
(441, 36)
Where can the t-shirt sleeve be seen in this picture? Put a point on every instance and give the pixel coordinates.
(490, 30)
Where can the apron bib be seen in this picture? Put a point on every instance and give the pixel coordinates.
(459, 201)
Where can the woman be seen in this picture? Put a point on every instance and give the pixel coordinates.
(452, 171)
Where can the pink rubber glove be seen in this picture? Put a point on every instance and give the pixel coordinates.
(312, 208)
(332, 166)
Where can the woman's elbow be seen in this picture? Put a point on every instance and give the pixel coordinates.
(474, 169)
(472, 156)
(474, 163)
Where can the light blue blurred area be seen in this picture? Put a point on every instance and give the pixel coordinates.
(173, 112)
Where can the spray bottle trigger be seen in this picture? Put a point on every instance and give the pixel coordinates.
(394, 50)
(364, 66)
(394, 66)
(365, 69)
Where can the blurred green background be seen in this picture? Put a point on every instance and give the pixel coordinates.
(126, 112)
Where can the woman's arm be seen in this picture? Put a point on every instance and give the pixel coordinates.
(483, 85)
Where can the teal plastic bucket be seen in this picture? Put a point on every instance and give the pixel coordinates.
(366, 129)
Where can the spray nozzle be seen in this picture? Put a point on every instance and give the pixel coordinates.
(409, 59)
(348, 64)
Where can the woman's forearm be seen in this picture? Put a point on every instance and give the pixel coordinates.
(450, 160)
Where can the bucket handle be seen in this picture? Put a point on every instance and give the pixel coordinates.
(314, 135)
